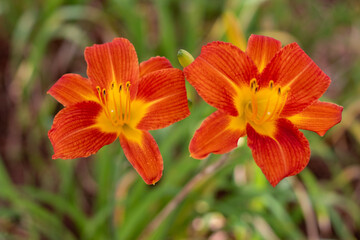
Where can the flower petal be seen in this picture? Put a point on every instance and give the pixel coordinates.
(292, 69)
(154, 64)
(165, 94)
(74, 134)
(144, 155)
(318, 117)
(218, 72)
(262, 49)
(114, 61)
(219, 133)
(284, 155)
(71, 89)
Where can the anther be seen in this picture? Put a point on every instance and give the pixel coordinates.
(279, 91)
(104, 92)
(256, 89)
(271, 84)
(253, 83)
(99, 94)
(112, 86)
(120, 87)
(128, 84)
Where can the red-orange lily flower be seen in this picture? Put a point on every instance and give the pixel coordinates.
(267, 93)
(119, 99)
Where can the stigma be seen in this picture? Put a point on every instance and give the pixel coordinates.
(266, 103)
(116, 103)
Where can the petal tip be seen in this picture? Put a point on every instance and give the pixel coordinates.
(274, 183)
(153, 181)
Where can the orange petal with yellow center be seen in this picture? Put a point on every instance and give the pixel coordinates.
(286, 154)
(154, 64)
(318, 117)
(115, 61)
(294, 71)
(74, 134)
(262, 49)
(71, 89)
(144, 155)
(164, 93)
(218, 72)
(219, 133)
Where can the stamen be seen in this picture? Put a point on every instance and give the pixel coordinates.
(271, 84)
(276, 108)
(105, 105)
(253, 83)
(121, 109)
(127, 110)
(267, 104)
(110, 99)
(115, 105)
(99, 93)
(254, 89)
(104, 98)
(284, 101)
(271, 108)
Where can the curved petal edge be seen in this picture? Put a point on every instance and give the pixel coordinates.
(154, 64)
(71, 89)
(318, 117)
(74, 133)
(217, 134)
(286, 154)
(144, 156)
(164, 93)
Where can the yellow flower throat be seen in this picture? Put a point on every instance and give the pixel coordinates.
(265, 104)
(120, 114)
(260, 106)
(116, 103)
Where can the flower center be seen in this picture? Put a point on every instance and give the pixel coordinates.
(116, 103)
(265, 104)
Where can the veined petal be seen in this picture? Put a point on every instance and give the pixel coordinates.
(285, 155)
(262, 49)
(144, 155)
(71, 89)
(294, 71)
(115, 61)
(219, 133)
(154, 64)
(74, 134)
(218, 72)
(164, 93)
(318, 117)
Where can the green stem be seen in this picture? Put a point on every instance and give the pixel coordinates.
(206, 172)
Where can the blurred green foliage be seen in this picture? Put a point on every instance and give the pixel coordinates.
(102, 197)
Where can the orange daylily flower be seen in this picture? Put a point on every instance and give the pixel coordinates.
(119, 99)
(267, 93)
